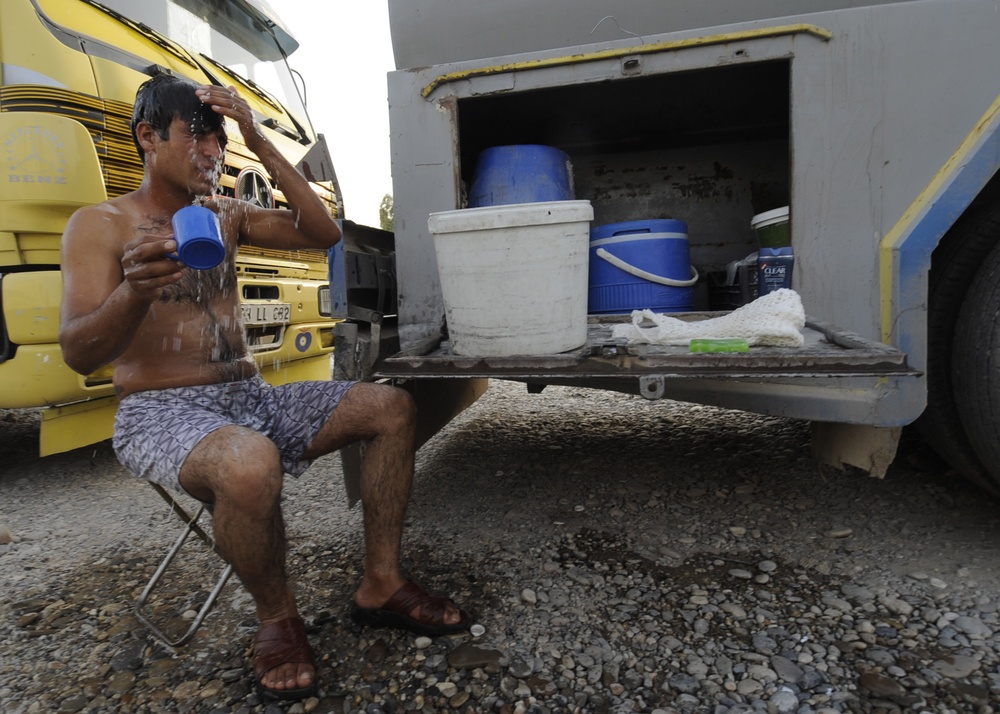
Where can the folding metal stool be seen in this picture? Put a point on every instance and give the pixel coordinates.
(190, 526)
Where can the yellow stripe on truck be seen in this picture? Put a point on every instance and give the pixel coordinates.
(904, 252)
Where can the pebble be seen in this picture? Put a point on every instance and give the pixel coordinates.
(469, 656)
(956, 666)
(882, 686)
(972, 626)
(840, 533)
(783, 701)
(664, 558)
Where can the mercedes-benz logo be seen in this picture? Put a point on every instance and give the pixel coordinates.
(253, 187)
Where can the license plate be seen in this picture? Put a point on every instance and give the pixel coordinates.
(275, 313)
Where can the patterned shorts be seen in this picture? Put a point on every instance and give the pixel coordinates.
(156, 430)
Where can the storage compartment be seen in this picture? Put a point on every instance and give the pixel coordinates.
(709, 147)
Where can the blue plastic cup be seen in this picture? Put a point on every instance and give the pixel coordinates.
(199, 238)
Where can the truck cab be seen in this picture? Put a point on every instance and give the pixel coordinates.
(70, 72)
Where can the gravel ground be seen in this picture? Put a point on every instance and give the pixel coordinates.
(622, 556)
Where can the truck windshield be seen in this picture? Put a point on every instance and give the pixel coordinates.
(233, 34)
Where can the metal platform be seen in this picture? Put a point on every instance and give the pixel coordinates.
(828, 352)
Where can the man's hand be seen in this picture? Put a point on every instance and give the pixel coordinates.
(147, 268)
(308, 223)
(228, 102)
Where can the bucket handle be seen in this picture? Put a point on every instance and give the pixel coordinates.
(640, 273)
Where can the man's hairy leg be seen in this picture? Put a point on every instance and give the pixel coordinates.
(239, 472)
(385, 418)
(386, 481)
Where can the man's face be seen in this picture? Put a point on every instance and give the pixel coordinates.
(192, 157)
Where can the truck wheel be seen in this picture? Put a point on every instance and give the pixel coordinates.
(955, 264)
(975, 365)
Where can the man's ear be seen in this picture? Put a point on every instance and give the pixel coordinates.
(145, 135)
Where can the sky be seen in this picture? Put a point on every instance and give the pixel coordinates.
(344, 55)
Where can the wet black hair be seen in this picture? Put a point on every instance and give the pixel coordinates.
(166, 97)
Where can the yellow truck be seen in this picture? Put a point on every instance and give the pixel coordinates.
(70, 72)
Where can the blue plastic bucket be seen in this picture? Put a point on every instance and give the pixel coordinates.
(641, 265)
(520, 173)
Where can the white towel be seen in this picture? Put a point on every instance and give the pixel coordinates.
(775, 320)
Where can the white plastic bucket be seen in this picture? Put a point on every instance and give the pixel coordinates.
(514, 277)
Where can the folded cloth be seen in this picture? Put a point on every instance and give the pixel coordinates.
(774, 320)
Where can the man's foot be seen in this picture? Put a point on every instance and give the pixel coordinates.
(414, 609)
(284, 666)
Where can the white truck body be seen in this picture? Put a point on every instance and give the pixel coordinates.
(876, 122)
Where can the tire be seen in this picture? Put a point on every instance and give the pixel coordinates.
(955, 265)
(975, 366)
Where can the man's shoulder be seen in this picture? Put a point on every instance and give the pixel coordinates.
(112, 216)
(117, 206)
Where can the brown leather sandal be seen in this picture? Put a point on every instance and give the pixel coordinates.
(281, 643)
(396, 613)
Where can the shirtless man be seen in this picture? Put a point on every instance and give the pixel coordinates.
(194, 413)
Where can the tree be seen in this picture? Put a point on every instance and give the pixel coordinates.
(387, 214)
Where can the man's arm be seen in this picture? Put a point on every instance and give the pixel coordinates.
(308, 224)
(107, 291)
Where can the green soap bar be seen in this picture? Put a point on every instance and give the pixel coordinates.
(707, 345)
